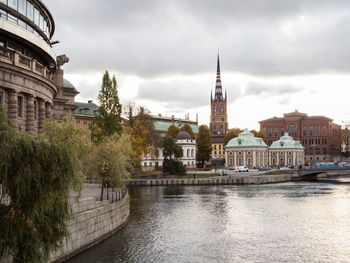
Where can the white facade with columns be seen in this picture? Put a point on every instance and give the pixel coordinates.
(246, 150)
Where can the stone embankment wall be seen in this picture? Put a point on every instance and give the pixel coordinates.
(225, 180)
(92, 222)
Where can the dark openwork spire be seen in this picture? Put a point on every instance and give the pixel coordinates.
(218, 87)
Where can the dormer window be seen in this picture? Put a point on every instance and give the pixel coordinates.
(239, 142)
(282, 144)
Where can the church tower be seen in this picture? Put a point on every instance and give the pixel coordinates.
(218, 115)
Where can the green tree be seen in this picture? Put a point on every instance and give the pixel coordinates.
(76, 138)
(172, 153)
(172, 131)
(139, 124)
(232, 133)
(35, 175)
(188, 128)
(204, 146)
(111, 160)
(109, 118)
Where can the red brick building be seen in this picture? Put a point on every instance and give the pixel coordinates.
(320, 137)
(218, 117)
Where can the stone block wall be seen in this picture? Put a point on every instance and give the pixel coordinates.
(92, 222)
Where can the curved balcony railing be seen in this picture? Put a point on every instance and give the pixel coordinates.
(17, 59)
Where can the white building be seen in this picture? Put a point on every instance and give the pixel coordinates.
(246, 150)
(150, 162)
(286, 152)
(188, 145)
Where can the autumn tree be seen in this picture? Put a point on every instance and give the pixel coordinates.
(35, 175)
(76, 138)
(188, 129)
(172, 131)
(111, 160)
(139, 124)
(232, 133)
(172, 153)
(204, 146)
(259, 134)
(108, 121)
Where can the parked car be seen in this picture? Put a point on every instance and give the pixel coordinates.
(242, 169)
(232, 168)
(264, 168)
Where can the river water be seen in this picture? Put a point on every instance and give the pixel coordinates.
(290, 222)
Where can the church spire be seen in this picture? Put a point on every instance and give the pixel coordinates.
(218, 88)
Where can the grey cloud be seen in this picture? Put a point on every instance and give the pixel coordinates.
(156, 38)
(179, 95)
(266, 90)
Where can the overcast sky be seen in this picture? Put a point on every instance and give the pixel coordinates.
(276, 56)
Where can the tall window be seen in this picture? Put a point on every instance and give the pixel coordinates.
(12, 4)
(270, 132)
(282, 131)
(1, 97)
(30, 11)
(214, 109)
(222, 109)
(304, 130)
(188, 152)
(276, 132)
(20, 106)
(324, 130)
(264, 130)
(311, 130)
(317, 130)
(22, 7)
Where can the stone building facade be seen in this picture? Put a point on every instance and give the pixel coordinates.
(161, 125)
(246, 150)
(252, 152)
(286, 152)
(320, 137)
(31, 79)
(188, 145)
(85, 113)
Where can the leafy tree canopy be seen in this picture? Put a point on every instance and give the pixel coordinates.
(111, 160)
(259, 134)
(35, 175)
(139, 125)
(188, 128)
(232, 133)
(173, 131)
(172, 153)
(204, 146)
(76, 138)
(109, 118)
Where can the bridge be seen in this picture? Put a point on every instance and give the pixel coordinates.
(313, 172)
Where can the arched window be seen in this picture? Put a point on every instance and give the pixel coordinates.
(192, 153)
(188, 152)
(222, 109)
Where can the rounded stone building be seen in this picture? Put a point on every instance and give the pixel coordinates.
(286, 152)
(188, 146)
(246, 150)
(31, 81)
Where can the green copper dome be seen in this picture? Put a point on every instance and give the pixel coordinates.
(286, 142)
(246, 139)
